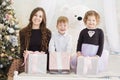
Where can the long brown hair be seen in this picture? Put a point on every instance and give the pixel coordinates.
(45, 32)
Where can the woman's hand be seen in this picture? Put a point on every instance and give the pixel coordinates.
(25, 52)
(79, 54)
(42, 52)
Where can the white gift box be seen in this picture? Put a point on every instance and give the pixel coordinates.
(36, 63)
(59, 61)
(87, 65)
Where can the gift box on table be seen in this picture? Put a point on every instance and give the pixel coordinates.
(87, 65)
(59, 61)
(36, 62)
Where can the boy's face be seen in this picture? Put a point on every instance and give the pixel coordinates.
(91, 22)
(62, 27)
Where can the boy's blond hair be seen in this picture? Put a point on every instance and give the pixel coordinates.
(62, 19)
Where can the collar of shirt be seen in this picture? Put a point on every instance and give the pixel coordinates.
(91, 28)
(66, 33)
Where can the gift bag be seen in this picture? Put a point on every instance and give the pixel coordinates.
(87, 65)
(59, 61)
(36, 62)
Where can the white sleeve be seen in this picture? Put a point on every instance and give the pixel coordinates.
(69, 46)
(52, 45)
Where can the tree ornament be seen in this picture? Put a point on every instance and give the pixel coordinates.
(12, 49)
(2, 55)
(1, 65)
(10, 57)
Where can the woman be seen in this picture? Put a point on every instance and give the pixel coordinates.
(34, 37)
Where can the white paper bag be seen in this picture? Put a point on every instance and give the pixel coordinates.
(59, 61)
(87, 65)
(36, 63)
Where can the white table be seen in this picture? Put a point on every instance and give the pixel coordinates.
(71, 76)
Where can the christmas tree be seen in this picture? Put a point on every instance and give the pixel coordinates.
(9, 47)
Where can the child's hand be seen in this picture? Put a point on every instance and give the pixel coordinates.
(96, 56)
(79, 54)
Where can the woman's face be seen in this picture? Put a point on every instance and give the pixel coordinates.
(37, 18)
(91, 22)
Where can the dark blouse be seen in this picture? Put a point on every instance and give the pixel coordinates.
(96, 39)
(35, 40)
